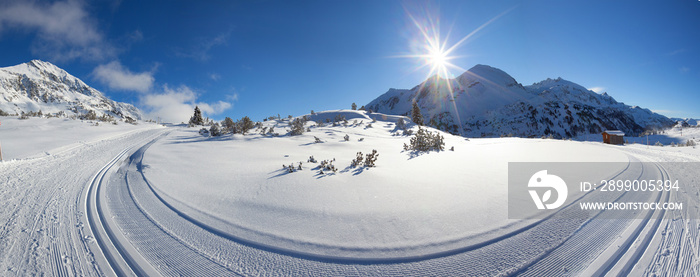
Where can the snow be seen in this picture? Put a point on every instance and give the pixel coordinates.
(147, 199)
(41, 86)
(614, 132)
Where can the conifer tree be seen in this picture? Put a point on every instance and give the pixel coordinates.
(416, 115)
(354, 106)
(196, 119)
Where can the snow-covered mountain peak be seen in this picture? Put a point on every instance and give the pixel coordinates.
(482, 72)
(486, 101)
(42, 86)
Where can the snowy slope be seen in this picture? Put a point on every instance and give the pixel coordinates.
(149, 200)
(41, 86)
(487, 102)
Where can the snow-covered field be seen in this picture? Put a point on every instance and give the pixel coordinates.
(153, 200)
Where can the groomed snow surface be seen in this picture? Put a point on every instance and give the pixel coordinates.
(83, 200)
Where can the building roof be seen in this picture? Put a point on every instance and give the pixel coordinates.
(615, 132)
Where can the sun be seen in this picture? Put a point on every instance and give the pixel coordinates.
(437, 58)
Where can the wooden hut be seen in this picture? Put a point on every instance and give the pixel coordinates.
(614, 137)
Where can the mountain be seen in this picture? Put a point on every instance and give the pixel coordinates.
(686, 122)
(41, 86)
(487, 102)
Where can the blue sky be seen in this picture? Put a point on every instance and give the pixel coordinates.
(263, 58)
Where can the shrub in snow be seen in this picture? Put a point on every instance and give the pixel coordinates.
(366, 160)
(659, 144)
(3, 113)
(346, 137)
(416, 115)
(371, 158)
(358, 160)
(228, 125)
(407, 132)
(673, 144)
(311, 159)
(401, 124)
(327, 165)
(317, 140)
(297, 127)
(129, 120)
(196, 119)
(339, 118)
(426, 141)
(24, 116)
(362, 108)
(90, 115)
(361, 139)
(452, 148)
(244, 124)
(369, 125)
(690, 143)
(353, 106)
(319, 123)
(204, 132)
(214, 130)
(313, 113)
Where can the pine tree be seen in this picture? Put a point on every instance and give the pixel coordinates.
(416, 115)
(196, 119)
(245, 124)
(229, 125)
(354, 106)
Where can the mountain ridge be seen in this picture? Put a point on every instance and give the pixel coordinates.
(42, 86)
(485, 101)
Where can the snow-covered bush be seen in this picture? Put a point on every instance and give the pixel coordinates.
(327, 165)
(129, 120)
(353, 106)
(3, 113)
(317, 140)
(244, 124)
(425, 141)
(228, 125)
(658, 143)
(90, 115)
(366, 160)
(346, 137)
(690, 142)
(297, 126)
(401, 124)
(358, 160)
(214, 130)
(311, 159)
(371, 158)
(204, 132)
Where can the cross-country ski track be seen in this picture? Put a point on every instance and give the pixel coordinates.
(90, 210)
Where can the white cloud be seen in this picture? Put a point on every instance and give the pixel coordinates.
(64, 29)
(177, 105)
(215, 76)
(117, 77)
(597, 89)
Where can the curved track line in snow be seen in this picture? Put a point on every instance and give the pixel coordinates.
(319, 256)
(113, 250)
